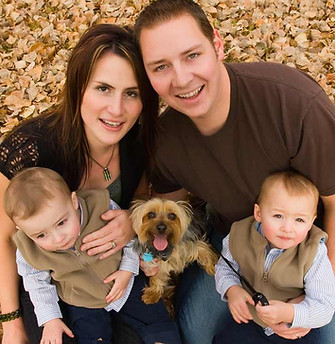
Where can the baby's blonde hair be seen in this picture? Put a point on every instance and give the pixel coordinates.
(30, 189)
(293, 182)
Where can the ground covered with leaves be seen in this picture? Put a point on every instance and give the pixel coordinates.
(37, 37)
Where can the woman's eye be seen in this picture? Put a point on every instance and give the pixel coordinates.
(103, 88)
(132, 94)
(41, 236)
(151, 215)
(171, 216)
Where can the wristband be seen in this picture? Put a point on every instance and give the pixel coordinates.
(11, 316)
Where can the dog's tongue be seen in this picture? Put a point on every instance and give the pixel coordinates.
(160, 242)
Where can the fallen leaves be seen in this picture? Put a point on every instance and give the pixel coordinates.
(37, 37)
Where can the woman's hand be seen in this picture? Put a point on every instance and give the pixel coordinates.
(14, 329)
(118, 231)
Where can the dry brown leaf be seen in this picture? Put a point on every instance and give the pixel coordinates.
(16, 100)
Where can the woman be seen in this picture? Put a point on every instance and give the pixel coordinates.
(92, 138)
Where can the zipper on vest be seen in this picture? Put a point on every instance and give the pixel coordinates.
(93, 274)
(265, 276)
(76, 252)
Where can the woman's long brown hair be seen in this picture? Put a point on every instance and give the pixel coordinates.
(64, 122)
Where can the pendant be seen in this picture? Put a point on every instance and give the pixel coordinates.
(107, 174)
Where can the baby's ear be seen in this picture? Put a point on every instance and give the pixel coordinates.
(75, 201)
(257, 213)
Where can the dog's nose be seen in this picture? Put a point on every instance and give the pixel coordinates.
(161, 227)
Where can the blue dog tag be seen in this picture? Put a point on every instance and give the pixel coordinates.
(147, 257)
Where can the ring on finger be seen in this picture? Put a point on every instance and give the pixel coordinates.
(298, 337)
(113, 243)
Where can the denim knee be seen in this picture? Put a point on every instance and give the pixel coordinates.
(200, 311)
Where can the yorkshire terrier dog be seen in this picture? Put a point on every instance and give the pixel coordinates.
(164, 231)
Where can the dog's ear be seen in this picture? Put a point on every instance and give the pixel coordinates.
(186, 213)
(136, 215)
(186, 207)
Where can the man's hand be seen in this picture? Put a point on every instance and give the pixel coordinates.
(238, 299)
(121, 280)
(289, 333)
(118, 231)
(53, 332)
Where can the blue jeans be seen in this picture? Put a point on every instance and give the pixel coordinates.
(327, 333)
(200, 311)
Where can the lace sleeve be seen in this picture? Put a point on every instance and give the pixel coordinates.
(17, 151)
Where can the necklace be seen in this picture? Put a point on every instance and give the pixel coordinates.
(105, 170)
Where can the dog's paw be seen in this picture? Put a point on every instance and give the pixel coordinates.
(168, 299)
(210, 269)
(149, 296)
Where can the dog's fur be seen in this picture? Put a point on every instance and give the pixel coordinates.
(168, 222)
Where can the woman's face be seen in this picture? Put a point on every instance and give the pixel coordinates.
(111, 102)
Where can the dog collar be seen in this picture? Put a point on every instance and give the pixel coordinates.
(147, 257)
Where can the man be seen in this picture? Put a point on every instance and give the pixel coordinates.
(229, 126)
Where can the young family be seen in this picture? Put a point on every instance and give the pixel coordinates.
(228, 127)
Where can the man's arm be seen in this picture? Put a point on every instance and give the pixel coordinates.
(329, 225)
(178, 195)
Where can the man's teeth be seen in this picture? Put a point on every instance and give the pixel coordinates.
(112, 124)
(191, 94)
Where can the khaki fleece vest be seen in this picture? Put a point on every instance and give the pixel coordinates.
(77, 276)
(284, 279)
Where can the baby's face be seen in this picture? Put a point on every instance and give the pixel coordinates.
(286, 219)
(56, 226)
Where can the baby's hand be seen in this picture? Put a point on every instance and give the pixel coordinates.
(150, 268)
(276, 313)
(237, 303)
(121, 280)
(53, 332)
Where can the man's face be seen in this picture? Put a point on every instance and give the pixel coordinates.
(184, 67)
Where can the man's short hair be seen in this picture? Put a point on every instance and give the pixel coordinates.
(160, 11)
(30, 189)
